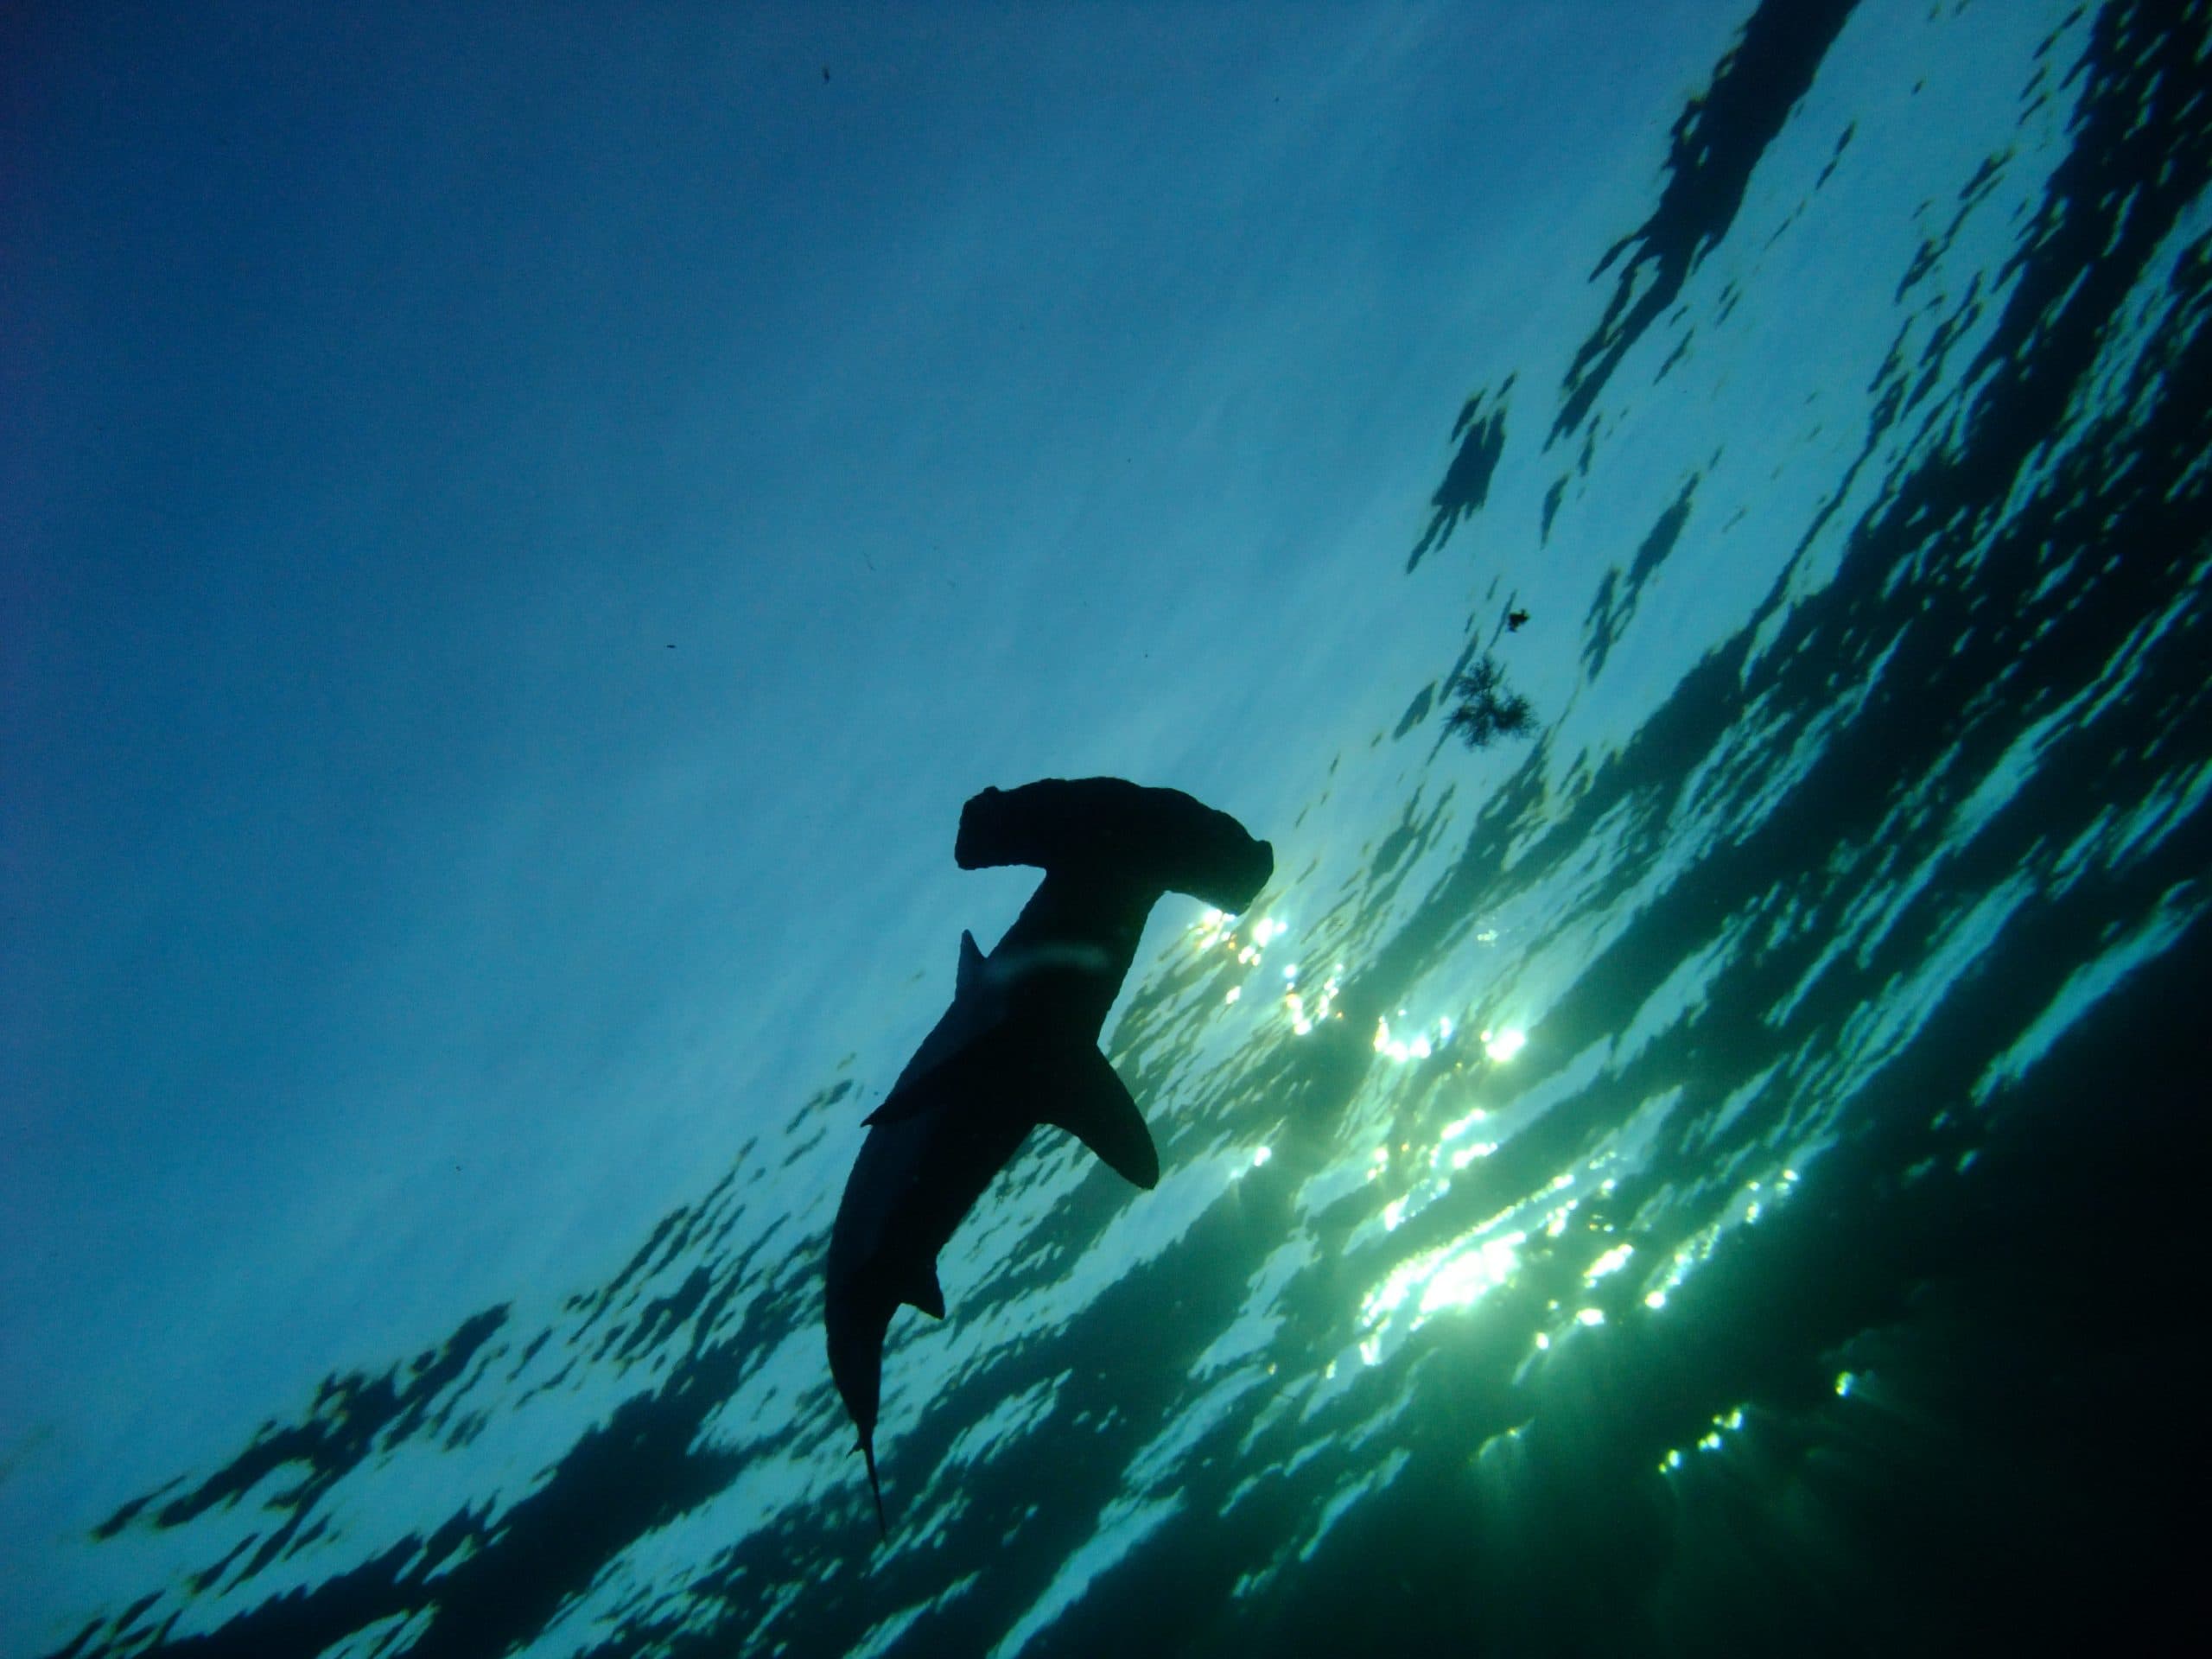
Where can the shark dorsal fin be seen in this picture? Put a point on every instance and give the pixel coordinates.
(1093, 1104)
(971, 965)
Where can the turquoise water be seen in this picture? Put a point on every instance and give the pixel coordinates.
(1704, 1173)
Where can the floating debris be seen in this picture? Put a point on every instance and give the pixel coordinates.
(1487, 710)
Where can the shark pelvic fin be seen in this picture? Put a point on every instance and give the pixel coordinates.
(1092, 1104)
(923, 1291)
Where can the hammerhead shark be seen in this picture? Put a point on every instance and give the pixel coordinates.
(1019, 1046)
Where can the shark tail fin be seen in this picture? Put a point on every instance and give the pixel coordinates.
(867, 1452)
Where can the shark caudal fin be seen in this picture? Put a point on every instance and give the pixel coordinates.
(867, 1452)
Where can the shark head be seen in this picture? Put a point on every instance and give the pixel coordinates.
(1158, 838)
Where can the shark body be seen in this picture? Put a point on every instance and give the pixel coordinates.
(1018, 1046)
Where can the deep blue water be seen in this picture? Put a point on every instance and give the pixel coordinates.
(1709, 1172)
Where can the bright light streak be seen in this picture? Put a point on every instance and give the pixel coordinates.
(1612, 1261)
(1418, 1048)
(1453, 1276)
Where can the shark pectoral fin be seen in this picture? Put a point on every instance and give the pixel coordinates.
(1093, 1104)
(923, 1291)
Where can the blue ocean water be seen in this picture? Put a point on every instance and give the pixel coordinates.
(1704, 1171)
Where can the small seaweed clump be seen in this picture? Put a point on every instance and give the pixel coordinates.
(1487, 710)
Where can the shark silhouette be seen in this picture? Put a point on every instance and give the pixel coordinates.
(1019, 1046)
